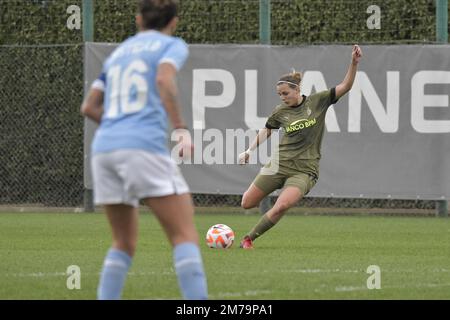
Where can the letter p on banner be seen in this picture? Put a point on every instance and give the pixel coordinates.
(74, 279)
(374, 281)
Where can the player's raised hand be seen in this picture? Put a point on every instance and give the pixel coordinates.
(356, 54)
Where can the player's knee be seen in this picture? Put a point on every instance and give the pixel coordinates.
(246, 202)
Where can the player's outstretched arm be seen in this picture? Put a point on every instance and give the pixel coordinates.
(262, 136)
(347, 83)
(92, 106)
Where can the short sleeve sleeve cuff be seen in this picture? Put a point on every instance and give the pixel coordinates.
(176, 54)
(269, 126)
(333, 98)
(171, 61)
(98, 84)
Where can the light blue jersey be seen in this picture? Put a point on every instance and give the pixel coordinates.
(134, 116)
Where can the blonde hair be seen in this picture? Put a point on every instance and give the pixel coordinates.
(293, 79)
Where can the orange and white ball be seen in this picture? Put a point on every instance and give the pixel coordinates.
(220, 236)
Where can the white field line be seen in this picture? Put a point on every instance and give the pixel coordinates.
(362, 288)
(172, 272)
(249, 293)
(63, 274)
(442, 270)
(224, 295)
(321, 271)
(37, 274)
(322, 288)
(252, 293)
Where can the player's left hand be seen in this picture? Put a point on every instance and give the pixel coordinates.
(244, 157)
(356, 54)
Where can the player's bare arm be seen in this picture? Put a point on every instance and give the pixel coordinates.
(347, 83)
(165, 80)
(262, 136)
(168, 90)
(92, 106)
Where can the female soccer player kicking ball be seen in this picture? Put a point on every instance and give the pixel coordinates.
(295, 167)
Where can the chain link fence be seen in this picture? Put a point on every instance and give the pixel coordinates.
(41, 158)
(41, 80)
(208, 200)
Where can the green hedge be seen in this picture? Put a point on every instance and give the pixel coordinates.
(231, 21)
(296, 22)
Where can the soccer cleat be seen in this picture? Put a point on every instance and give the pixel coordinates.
(246, 243)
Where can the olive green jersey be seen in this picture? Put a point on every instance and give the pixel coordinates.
(303, 127)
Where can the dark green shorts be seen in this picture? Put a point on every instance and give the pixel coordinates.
(269, 180)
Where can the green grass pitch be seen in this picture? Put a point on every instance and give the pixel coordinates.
(303, 257)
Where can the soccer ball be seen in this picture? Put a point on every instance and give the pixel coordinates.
(220, 236)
